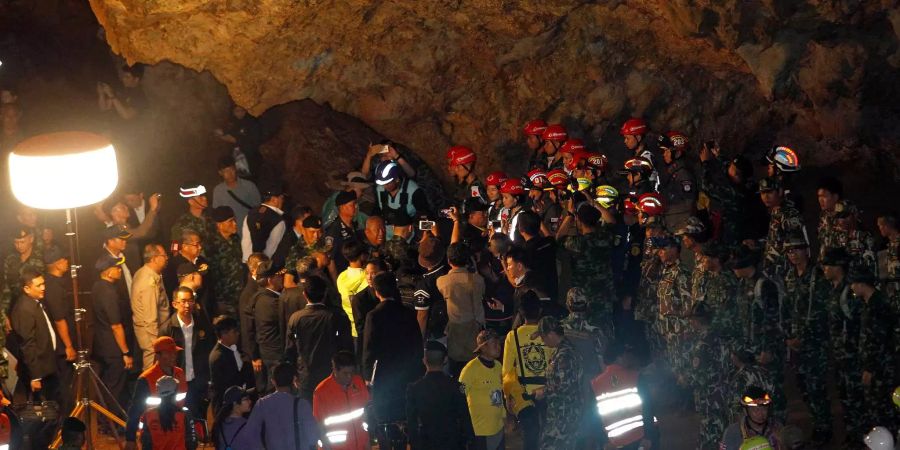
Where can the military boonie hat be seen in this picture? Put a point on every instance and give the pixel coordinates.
(743, 258)
(769, 184)
(796, 241)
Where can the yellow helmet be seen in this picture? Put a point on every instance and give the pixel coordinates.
(606, 195)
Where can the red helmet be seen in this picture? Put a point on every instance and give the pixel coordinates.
(555, 132)
(537, 178)
(597, 161)
(629, 206)
(673, 139)
(512, 186)
(495, 179)
(633, 127)
(638, 165)
(558, 178)
(651, 204)
(572, 146)
(535, 127)
(459, 155)
(577, 159)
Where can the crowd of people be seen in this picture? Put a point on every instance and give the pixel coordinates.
(556, 298)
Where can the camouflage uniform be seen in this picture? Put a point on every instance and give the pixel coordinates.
(592, 271)
(399, 253)
(891, 272)
(724, 199)
(708, 377)
(13, 267)
(226, 272)
(678, 187)
(565, 398)
(826, 231)
(749, 375)
(760, 316)
(577, 327)
(806, 297)
(844, 323)
(647, 309)
(860, 245)
(719, 297)
(674, 294)
(202, 225)
(876, 356)
(301, 249)
(784, 221)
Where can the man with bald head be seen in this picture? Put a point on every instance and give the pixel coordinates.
(373, 237)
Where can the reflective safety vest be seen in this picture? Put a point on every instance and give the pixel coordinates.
(341, 413)
(181, 436)
(5, 431)
(620, 406)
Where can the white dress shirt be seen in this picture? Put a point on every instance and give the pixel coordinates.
(188, 332)
(271, 242)
(237, 355)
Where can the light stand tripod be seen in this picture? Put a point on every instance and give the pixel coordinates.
(85, 376)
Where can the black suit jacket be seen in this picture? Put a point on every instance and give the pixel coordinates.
(224, 373)
(267, 326)
(437, 415)
(201, 345)
(392, 338)
(245, 311)
(34, 337)
(315, 333)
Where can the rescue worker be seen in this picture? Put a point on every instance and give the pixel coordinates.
(339, 404)
(626, 418)
(677, 181)
(397, 195)
(784, 221)
(167, 425)
(495, 201)
(569, 153)
(553, 137)
(512, 193)
(754, 422)
(639, 174)
(461, 162)
(533, 131)
(145, 389)
(634, 133)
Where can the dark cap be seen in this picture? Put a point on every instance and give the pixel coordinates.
(114, 232)
(431, 252)
(226, 161)
(691, 227)
(743, 258)
(435, 346)
(272, 189)
(769, 184)
(795, 241)
(862, 275)
(399, 219)
(54, 254)
(714, 250)
(483, 338)
(314, 222)
(106, 261)
(587, 214)
(222, 213)
(473, 204)
(835, 257)
(73, 425)
(344, 197)
(23, 232)
(267, 269)
(664, 242)
(234, 394)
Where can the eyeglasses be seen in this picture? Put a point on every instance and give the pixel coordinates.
(185, 301)
(191, 244)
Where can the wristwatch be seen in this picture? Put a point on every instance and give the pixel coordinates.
(128, 353)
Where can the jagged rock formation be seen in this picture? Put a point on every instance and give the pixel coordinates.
(818, 74)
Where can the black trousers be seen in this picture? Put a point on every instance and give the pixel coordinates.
(531, 420)
(66, 373)
(197, 399)
(113, 374)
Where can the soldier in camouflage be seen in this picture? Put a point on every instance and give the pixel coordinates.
(876, 344)
(226, 270)
(674, 294)
(693, 235)
(829, 193)
(844, 322)
(647, 309)
(784, 220)
(760, 316)
(577, 327)
(889, 267)
(677, 180)
(860, 244)
(590, 244)
(311, 241)
(25, 256)
(194, 219)
(719, 290)
(722, 195)
(708, 377)
(564, 391)
(400, 251)
(806, 330)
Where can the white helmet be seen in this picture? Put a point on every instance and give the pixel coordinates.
(879, 439)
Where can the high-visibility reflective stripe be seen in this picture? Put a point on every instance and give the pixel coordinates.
(336, 437)
(4, 447)
(609, 395)
(616, 404)
(156, 401)
(365, 428)
(346, 417)
(140, 425)
(623, 426)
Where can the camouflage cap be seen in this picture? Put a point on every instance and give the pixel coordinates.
(835, 257)
(576, 300)
(715, 250)
(796, 241)
(693, 225)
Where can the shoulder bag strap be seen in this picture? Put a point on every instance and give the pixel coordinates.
(519, 354)
(237, 199)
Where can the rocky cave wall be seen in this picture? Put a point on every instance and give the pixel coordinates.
(820, 75)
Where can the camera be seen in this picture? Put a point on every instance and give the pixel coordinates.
(446, 212)
(426, 225)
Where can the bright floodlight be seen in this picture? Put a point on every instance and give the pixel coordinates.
(63, 170)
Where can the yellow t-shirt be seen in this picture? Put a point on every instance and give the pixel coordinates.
(484, 394)
(535, 355)
(349, 282)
